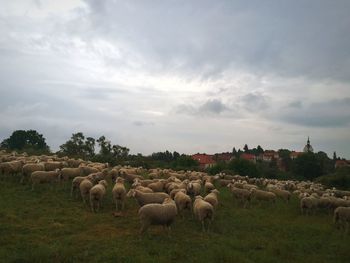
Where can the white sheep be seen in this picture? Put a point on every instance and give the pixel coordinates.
(203, 211)
(261, 195)
(243, 195)
(283, 194)
(208, 186)
(182, 200)
(29, 168)
(212, 198)
(193, 188)
(157, 214)
(342, 218)
(119, 193)
(84, 188)
(308, 204)
(96, 194)
(147, 198)
(38, 177)
(76, 182)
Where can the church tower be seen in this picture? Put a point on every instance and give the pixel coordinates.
(308, 148)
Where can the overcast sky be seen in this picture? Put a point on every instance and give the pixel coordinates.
(190, 76)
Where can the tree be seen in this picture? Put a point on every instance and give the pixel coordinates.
(79, 146)
(234, 152)
(334, 156)
(245, 148)
(307, 166)
(24, 140)
(259, 150)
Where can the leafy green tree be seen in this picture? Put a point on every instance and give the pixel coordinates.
(307, 166)
(244, 167)
(24, 140)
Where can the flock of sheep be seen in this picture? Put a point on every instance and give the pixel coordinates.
(166, 193)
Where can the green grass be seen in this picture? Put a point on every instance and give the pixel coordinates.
(47, 225)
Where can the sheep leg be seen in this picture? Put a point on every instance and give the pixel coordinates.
(144, 227)
(203, 227)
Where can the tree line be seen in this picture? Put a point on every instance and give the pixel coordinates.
(307, 166)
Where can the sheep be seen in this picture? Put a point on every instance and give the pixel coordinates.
(138, 186)
(86, 170)
(182, 200)
(119, 193)
(157, 214)
(308, 204)
(175, 191)
(212, 198)
(76, 182)
(342, 218)
(263, 195)
(208, 186)
(203, 211)
(147, 198)
(243, 195)
(157, 186)
(84, 188)
(52, 166)
(283, 194)
(96, 194)
(28, 169)
(68, 173)
(38, 177)
(193, 188)
(11, 168)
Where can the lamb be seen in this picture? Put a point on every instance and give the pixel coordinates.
(182, 200)
(147, 198)
(96, 194)
(203, 211)
(263, 195)
(119, 193)
(283, 194)
(84, 188)
(212, 198)
(342, 218)
(243, 195)
(157, 214)
(38, 177)
(28, 169)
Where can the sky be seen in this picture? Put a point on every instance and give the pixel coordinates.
(186, 76)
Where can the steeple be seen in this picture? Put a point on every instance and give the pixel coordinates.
(308, 148)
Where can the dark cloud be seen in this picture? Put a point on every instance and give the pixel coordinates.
(332, 113)
(206, 37)
(209, 107)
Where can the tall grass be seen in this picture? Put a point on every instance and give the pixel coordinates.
(47, 225)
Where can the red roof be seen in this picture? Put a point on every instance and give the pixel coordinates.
(248, 156)
(203, 158)
(295, 154)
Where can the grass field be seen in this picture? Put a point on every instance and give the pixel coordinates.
(47, 225)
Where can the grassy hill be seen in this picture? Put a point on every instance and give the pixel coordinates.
(47, 225)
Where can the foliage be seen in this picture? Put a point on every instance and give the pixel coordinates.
(29, 140)
(79, 146)
(340, 179)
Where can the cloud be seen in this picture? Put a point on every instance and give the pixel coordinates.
(255, 102)
(209, 107)
(328, 114)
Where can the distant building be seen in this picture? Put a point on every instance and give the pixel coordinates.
(223, 157)
(308, 148)
(248, 157)
(205, 160)
(294, 155)
(342, 163)
(269, 155)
